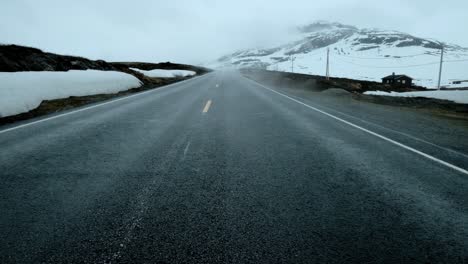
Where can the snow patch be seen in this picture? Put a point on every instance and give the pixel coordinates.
(165, 73)
(21, 92)
(455, 96)
(367, 54)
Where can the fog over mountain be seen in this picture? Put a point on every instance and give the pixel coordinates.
(366, 54)
(199, 31)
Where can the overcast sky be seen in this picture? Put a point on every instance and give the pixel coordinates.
(196, 31)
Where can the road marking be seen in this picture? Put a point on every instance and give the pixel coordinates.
(186, 149)
(98, 105)
(395, 131)
(207, 106)
(461, 170)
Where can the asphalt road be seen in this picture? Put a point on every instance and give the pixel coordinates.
(221, 170)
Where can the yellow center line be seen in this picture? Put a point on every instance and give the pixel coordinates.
(207, 106)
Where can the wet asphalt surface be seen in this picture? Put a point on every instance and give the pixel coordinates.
(258, 178)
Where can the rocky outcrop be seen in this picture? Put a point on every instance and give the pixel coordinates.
(15, 58)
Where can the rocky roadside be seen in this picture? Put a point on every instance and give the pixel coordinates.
(355, 89)
(14, 58)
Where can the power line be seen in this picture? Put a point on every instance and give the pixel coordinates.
(292, 63)
(320, 52)
(328, 63)
(398, 67)
(372, 58)
(389, 67)
(316, 52)
(440, 68)
(455, 60)
(384, 58)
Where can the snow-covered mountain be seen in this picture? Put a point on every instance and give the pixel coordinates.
(367, 54)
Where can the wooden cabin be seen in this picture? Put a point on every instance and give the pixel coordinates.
(398, 79)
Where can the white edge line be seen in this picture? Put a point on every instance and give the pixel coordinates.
(369, 132)
(99, 104)
(393, 131)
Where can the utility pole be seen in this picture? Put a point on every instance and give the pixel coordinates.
(328, 64)
(292, 63)
(441, 63)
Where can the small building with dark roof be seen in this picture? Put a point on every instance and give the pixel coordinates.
(398, 79)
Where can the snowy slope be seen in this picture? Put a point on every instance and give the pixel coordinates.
(21, 92)
(365, 54)
(455, 96)
(165, 73)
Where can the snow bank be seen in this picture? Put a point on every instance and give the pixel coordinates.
(21, 92)
(166, 73)
(455, 96)
(463, 84)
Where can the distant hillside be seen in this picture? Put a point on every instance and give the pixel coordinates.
(14, 58)
(365, 54)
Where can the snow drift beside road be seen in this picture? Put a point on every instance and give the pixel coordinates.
(165, 73)
(455, 96)
(21, 92)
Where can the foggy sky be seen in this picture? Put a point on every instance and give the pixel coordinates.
(192, 31)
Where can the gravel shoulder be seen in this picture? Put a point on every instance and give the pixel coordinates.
(355, 90)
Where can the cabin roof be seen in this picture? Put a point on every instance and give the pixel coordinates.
(397, 76)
